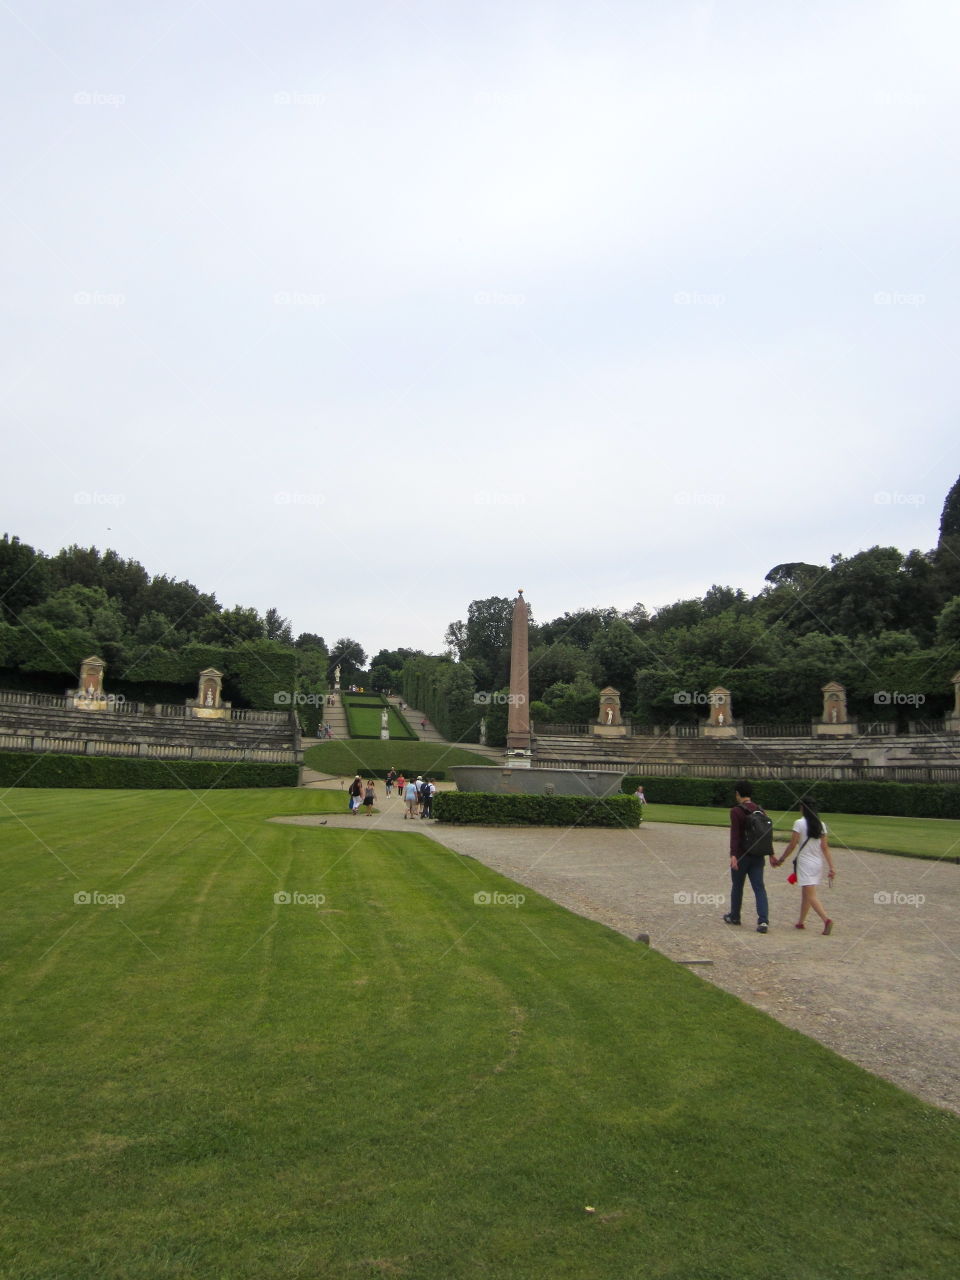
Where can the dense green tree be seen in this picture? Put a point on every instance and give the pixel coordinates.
(950, 515)
(24, 577)
(233, 626)
(550, 663)
(616, 650)
(277, 628)
(948, 623)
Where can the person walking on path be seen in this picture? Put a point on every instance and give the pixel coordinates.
(745, 861)
(401, 785)
(410, 799)
(356, 792)
(389, 781)
(426, 798)
(369, 795)
(810, 832)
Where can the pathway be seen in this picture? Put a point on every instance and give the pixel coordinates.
(883, 990)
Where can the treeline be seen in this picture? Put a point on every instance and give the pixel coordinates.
(154, 632)
(884, 623)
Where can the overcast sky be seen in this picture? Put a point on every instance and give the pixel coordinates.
(366, 311)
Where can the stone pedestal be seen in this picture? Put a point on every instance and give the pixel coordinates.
(609, 722)
(89, 695)
(720, 722)
(952, 721)
(834, 722)
(720, 730)
(519, 757)
(609, 730)
(208, 704)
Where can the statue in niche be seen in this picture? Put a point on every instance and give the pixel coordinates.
(609, 715)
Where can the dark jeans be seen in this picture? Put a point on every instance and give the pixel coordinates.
(752, 867)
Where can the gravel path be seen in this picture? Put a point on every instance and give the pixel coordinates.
(882, 990)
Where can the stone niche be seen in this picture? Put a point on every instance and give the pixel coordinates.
(609, 722)
(720, 722)
(835, 722)
(90, 695)
(952, 721)
(209, 703)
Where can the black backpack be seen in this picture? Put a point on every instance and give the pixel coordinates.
(757, 835)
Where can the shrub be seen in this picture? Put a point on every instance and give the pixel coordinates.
(486, 809)
(27, 769)
(893, 799)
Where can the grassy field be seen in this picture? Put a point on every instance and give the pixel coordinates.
(364, 719)
(202, 1081)
(912, 837)
(345, 758)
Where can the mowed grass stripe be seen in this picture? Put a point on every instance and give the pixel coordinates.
(402, 1081)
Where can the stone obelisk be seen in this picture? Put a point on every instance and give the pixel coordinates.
(518, 710)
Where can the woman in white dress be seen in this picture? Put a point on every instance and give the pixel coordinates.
(811, 835)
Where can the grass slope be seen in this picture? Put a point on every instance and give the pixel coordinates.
(205, 1083)
(912, 837)
(345, 758)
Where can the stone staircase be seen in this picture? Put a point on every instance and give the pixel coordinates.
(909, 758)
(265, 736)
(336, 718)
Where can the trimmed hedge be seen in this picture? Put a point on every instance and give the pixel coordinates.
(891, 799)
(484, 808)
(32, 769)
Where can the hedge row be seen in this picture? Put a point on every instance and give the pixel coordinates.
(29, 769)
(895, 799)
(486, 809)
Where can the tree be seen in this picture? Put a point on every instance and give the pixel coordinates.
(950, 515)
(24, 577)
(309, 640)
(617, 652)
(455, 638)
(277, 628)
(682, 613)
(948, 622)
(349, 656)
(233, 626)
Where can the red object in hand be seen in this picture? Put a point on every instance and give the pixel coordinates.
(792, 878)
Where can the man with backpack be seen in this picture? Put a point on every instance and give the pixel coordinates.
(751, 841)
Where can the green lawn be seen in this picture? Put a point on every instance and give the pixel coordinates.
(365, 720)
(912, 837)
(343, 758)
(399, 1081)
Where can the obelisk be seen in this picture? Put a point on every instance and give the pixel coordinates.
(518, 710)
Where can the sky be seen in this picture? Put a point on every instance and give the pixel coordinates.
(366, 311)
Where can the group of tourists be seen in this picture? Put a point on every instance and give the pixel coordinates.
(417, 794)
(751, 844)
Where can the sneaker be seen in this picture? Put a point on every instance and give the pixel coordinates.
(728, 919)
(762, 927)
